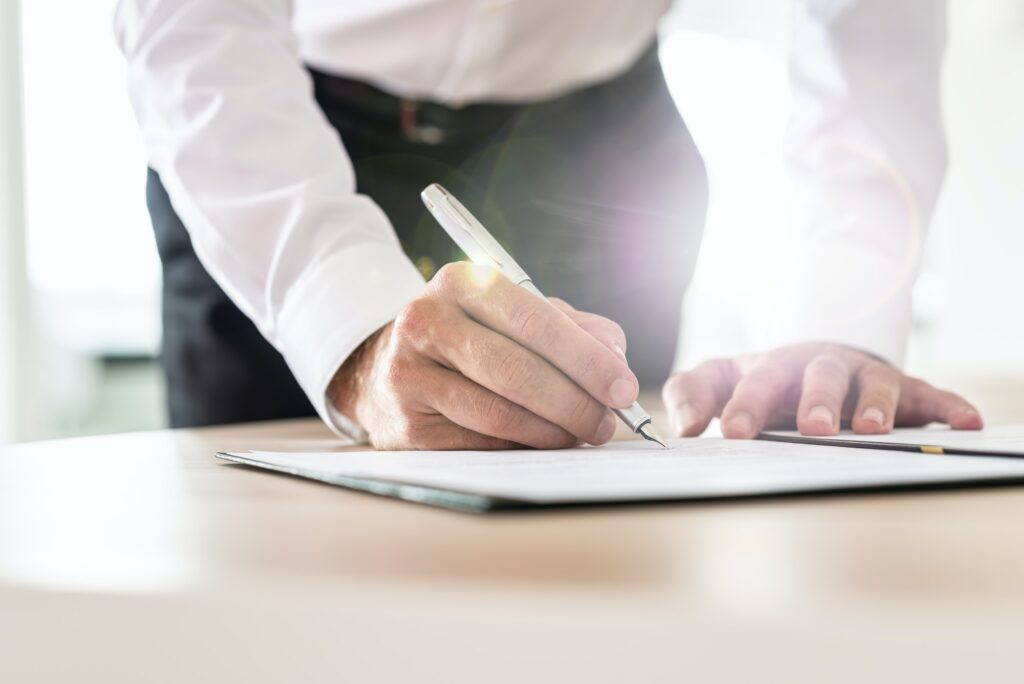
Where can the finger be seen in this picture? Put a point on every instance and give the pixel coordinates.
(825, 384)
(921, 403)
(432, 431)
(424, 320)
(524, 378)
(757, 396)
(450, 437)
(878, 393)
(562, 305)
(535, 324)
(476, 408)
(692, 398)
(606, 331)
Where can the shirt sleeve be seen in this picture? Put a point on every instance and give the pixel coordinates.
(866, 151)
(261, 180)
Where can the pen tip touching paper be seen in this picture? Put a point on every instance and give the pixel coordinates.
(648, 432)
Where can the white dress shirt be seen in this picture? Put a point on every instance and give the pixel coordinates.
(263, 184)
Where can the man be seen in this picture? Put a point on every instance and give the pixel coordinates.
(288, 152)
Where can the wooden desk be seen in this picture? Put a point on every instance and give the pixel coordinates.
(142, 558)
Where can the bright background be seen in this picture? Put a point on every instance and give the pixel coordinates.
(79, 317)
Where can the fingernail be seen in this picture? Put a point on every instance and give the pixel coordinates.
(822, 414)
(623, 392)
(742, 425)
(873, 415)
(606, 429)
(619, 350)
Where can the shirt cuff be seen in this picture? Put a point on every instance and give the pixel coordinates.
(336, 305)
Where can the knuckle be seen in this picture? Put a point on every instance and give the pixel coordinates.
(498, 415)
(451, 273)
(416, 318)
(452, 277)
(589, 365)
(766, 380)
(398, 373)
(827, 364)
(513, 369)
(582, 413)
(464, 278)
(528, 324)
(440, 284)
(828, 385)
(754, 388)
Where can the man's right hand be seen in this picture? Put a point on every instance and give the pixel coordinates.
(478, 362)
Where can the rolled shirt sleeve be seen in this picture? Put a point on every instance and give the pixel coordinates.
(866, 151)
(262, 181)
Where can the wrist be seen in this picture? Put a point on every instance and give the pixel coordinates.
(351, 383)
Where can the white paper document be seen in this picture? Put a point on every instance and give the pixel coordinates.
(630, 471)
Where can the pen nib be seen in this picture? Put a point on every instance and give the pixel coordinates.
(648, 432)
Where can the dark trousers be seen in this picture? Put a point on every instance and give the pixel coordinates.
(599, 194)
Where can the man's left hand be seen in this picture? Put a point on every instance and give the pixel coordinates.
(814, 387)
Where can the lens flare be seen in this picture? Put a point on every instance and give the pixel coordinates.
(482, 275)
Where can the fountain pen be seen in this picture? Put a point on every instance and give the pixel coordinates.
(481, 247)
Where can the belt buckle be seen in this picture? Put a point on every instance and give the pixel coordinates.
(412, 129)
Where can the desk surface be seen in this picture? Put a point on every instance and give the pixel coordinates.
(143, 550)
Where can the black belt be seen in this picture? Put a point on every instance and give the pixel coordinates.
(425, 121)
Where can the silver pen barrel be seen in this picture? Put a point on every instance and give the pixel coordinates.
(639, 421)
(634, 416)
